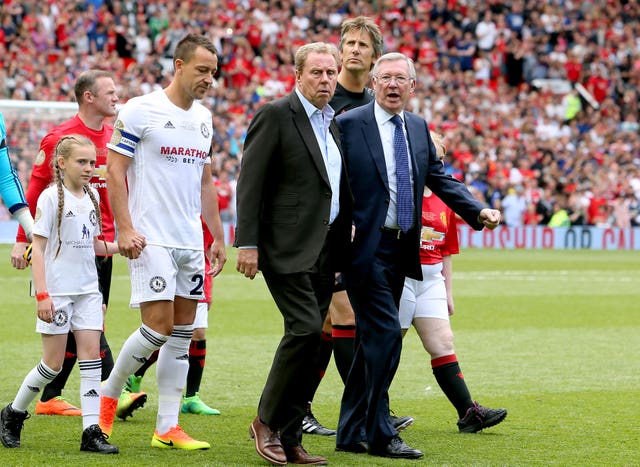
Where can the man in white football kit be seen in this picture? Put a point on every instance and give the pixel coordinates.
(159, 182)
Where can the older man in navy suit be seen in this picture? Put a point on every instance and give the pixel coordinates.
(390, 158)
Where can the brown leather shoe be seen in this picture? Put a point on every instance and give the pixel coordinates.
(298, 455)
(268, 443)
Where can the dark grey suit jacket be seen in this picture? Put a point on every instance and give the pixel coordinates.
(283, 193)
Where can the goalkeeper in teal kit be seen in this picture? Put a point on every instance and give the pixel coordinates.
(10, 186)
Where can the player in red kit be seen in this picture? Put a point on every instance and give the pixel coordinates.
(427, 304)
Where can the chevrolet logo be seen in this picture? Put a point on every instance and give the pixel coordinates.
(101, 172)
(429, 235)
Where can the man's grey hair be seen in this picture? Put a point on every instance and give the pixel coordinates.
(315, 47)
(392, 57)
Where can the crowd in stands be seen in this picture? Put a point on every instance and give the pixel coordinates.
(537, 99)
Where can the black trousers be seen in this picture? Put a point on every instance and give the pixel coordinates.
(303, 300)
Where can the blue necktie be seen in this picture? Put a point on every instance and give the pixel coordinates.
(404, 201)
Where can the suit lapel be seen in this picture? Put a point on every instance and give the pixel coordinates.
(413, 132)
(302, 123)
(372, 137)
(417, 138)
(335, 132)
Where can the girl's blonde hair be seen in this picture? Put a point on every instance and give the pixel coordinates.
(438, 141)
(64, 149)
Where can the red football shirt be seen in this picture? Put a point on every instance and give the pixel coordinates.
(439, 236)
(42, 173)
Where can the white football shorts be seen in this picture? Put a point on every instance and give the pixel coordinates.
(162, 273)
(202, 316)
(424, 299)
(74, 313)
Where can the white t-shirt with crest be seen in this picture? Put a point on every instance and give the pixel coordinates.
(73, 271)
(169, 148)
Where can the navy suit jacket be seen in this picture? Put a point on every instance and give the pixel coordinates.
(369, 184)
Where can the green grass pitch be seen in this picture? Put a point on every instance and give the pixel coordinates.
(553, 336)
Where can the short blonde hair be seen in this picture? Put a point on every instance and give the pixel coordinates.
(438, 141)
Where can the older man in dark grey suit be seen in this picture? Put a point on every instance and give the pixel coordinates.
(294, 224)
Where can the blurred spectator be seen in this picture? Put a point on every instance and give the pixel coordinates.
(560, 216)
(465, 51)
(531, 216)
(597, 83)
(620, 210)
(598, 210)
(514, 207)
(478, 68)
(226, 202)
(486, 32)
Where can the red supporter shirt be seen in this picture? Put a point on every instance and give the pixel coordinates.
(42, 174)
(224, 195)
(427, 56)
(573, 70)
(439, 236)
(599, 87)
(597, 210)
(239, 70)
(254, 36)
(465, 158)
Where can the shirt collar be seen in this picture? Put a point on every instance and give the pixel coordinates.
(310, 109)
(382, 116)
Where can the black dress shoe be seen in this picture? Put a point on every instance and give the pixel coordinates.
(356, 448)
(396, 449)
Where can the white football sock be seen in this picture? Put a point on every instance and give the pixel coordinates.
(171, 374)
(90, 373)
(135, 351)
(33, 383)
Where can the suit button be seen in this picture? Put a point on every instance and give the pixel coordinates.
(327, 195)
(325, 222)
(386, 201)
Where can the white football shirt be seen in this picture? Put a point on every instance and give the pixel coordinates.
(169, 147)
(73, 272)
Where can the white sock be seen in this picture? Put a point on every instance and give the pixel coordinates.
(171, 374)
(135, 351)
(90, 373)
(33, 383)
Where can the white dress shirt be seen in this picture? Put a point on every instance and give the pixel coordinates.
(320, 121)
